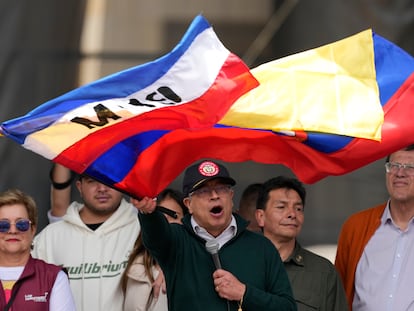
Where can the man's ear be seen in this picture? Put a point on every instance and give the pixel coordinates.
(260, 217)
(78, 186)
(187, 202)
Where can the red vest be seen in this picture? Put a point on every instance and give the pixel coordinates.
(36, 283)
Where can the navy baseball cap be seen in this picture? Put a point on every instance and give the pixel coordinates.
(196, 175)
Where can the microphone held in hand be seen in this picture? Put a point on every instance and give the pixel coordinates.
(212, 247)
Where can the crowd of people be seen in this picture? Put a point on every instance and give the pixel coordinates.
(193, 250)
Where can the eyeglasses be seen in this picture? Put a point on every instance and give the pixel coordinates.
(393, 167)
(22, 225)
(205, 192)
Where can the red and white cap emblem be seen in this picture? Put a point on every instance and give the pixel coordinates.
(208, 169)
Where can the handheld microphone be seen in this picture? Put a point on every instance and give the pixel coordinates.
(212, 247)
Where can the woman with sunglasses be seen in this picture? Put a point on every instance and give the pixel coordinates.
(27, 283)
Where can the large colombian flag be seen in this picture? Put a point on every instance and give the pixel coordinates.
(366, 84)
(322, 112)
(328, 122)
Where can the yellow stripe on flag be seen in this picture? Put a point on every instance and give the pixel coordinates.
(330, 89)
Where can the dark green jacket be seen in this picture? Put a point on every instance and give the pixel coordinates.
(188, 267)
(315, 282)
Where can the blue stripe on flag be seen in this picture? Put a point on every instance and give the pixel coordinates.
(322, 142)
(128, 150)
(388, 57)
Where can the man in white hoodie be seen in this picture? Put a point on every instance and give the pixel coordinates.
(92, 242)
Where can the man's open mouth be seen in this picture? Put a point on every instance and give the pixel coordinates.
(216, 210)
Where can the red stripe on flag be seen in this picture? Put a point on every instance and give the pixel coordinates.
(160, 164)
(232, 81)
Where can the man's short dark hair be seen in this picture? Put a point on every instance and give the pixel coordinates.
(250, 193)
(408, 148)
(280, 182)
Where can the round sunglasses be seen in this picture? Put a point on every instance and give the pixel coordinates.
(22, 225)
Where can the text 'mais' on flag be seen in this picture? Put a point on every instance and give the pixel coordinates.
(310, 155)
(102, 128)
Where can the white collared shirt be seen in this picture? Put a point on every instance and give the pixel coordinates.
(222, 238)
(383, 279)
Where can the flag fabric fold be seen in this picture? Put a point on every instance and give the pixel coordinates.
(140, 138)
(330, 89)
